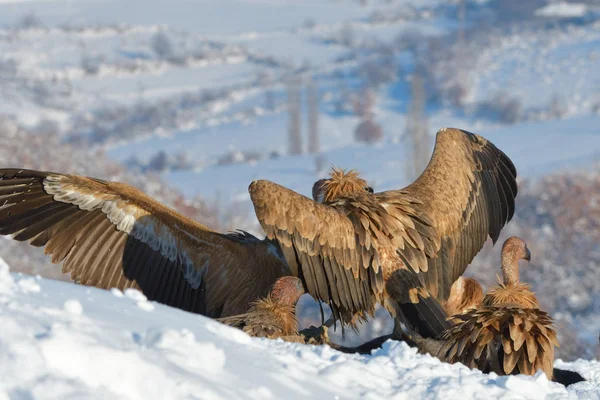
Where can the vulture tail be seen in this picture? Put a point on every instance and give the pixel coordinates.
(415, 307)
(427, 317)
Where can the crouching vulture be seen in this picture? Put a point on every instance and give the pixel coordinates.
(507, 333)
(403, 248)
(274, 316)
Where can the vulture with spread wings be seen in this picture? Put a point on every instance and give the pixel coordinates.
(352, 248)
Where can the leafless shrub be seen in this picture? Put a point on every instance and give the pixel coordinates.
(378, 72)
(502, 107)
(162, 45)
(557, 108)
(368, 131)
(91, 65)
(30, 21)
(348, 36)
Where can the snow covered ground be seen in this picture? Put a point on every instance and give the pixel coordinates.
(64, 341)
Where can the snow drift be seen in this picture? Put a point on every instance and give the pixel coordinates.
(60, 340)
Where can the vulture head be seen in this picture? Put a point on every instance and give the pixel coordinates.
(287, 290)
(513, 250)
(341, 183)
(510, 289)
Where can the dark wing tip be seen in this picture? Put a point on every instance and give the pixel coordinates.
(501, 174)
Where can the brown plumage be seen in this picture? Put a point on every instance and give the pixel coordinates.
(398, 247)
(274, 316)
(109, 234)
(508, 333)
(357, 247)
(465, 294)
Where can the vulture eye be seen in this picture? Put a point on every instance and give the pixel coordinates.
(369, 189)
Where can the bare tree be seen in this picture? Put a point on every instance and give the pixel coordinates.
(312, 94)
(461, 22)
(416, 134)
(294, 112)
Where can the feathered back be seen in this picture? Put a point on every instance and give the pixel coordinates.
(505, 340)
(266, 318)
(342, 183)
(274, 316)
(518, 293)
(271, 319)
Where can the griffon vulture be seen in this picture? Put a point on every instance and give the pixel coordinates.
(507, 333)
(274, 316)
(354, 249)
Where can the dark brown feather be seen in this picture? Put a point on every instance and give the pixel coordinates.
(106, 235)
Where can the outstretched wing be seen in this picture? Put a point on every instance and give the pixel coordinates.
(332, 248)
(112, 235)
(468, 191)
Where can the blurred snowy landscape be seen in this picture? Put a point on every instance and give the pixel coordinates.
(191, 101)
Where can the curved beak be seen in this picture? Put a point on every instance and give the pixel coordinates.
(527, 254)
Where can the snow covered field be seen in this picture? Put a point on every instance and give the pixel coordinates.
(63, 341)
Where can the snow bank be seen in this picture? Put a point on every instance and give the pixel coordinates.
(69, 341)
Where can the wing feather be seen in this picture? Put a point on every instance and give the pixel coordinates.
(468, 190)
(328, 246)
(109, 234)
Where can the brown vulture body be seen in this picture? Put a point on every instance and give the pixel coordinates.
(465, 294)
(356, 248)
(274, 316)
(507, 333)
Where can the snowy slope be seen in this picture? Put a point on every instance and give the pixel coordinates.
(63, 341)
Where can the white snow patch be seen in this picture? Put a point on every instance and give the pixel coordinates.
(135, 294)
(6, 281)
(562, 10)
(73, 306)
(145, 305)
(28, 285)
